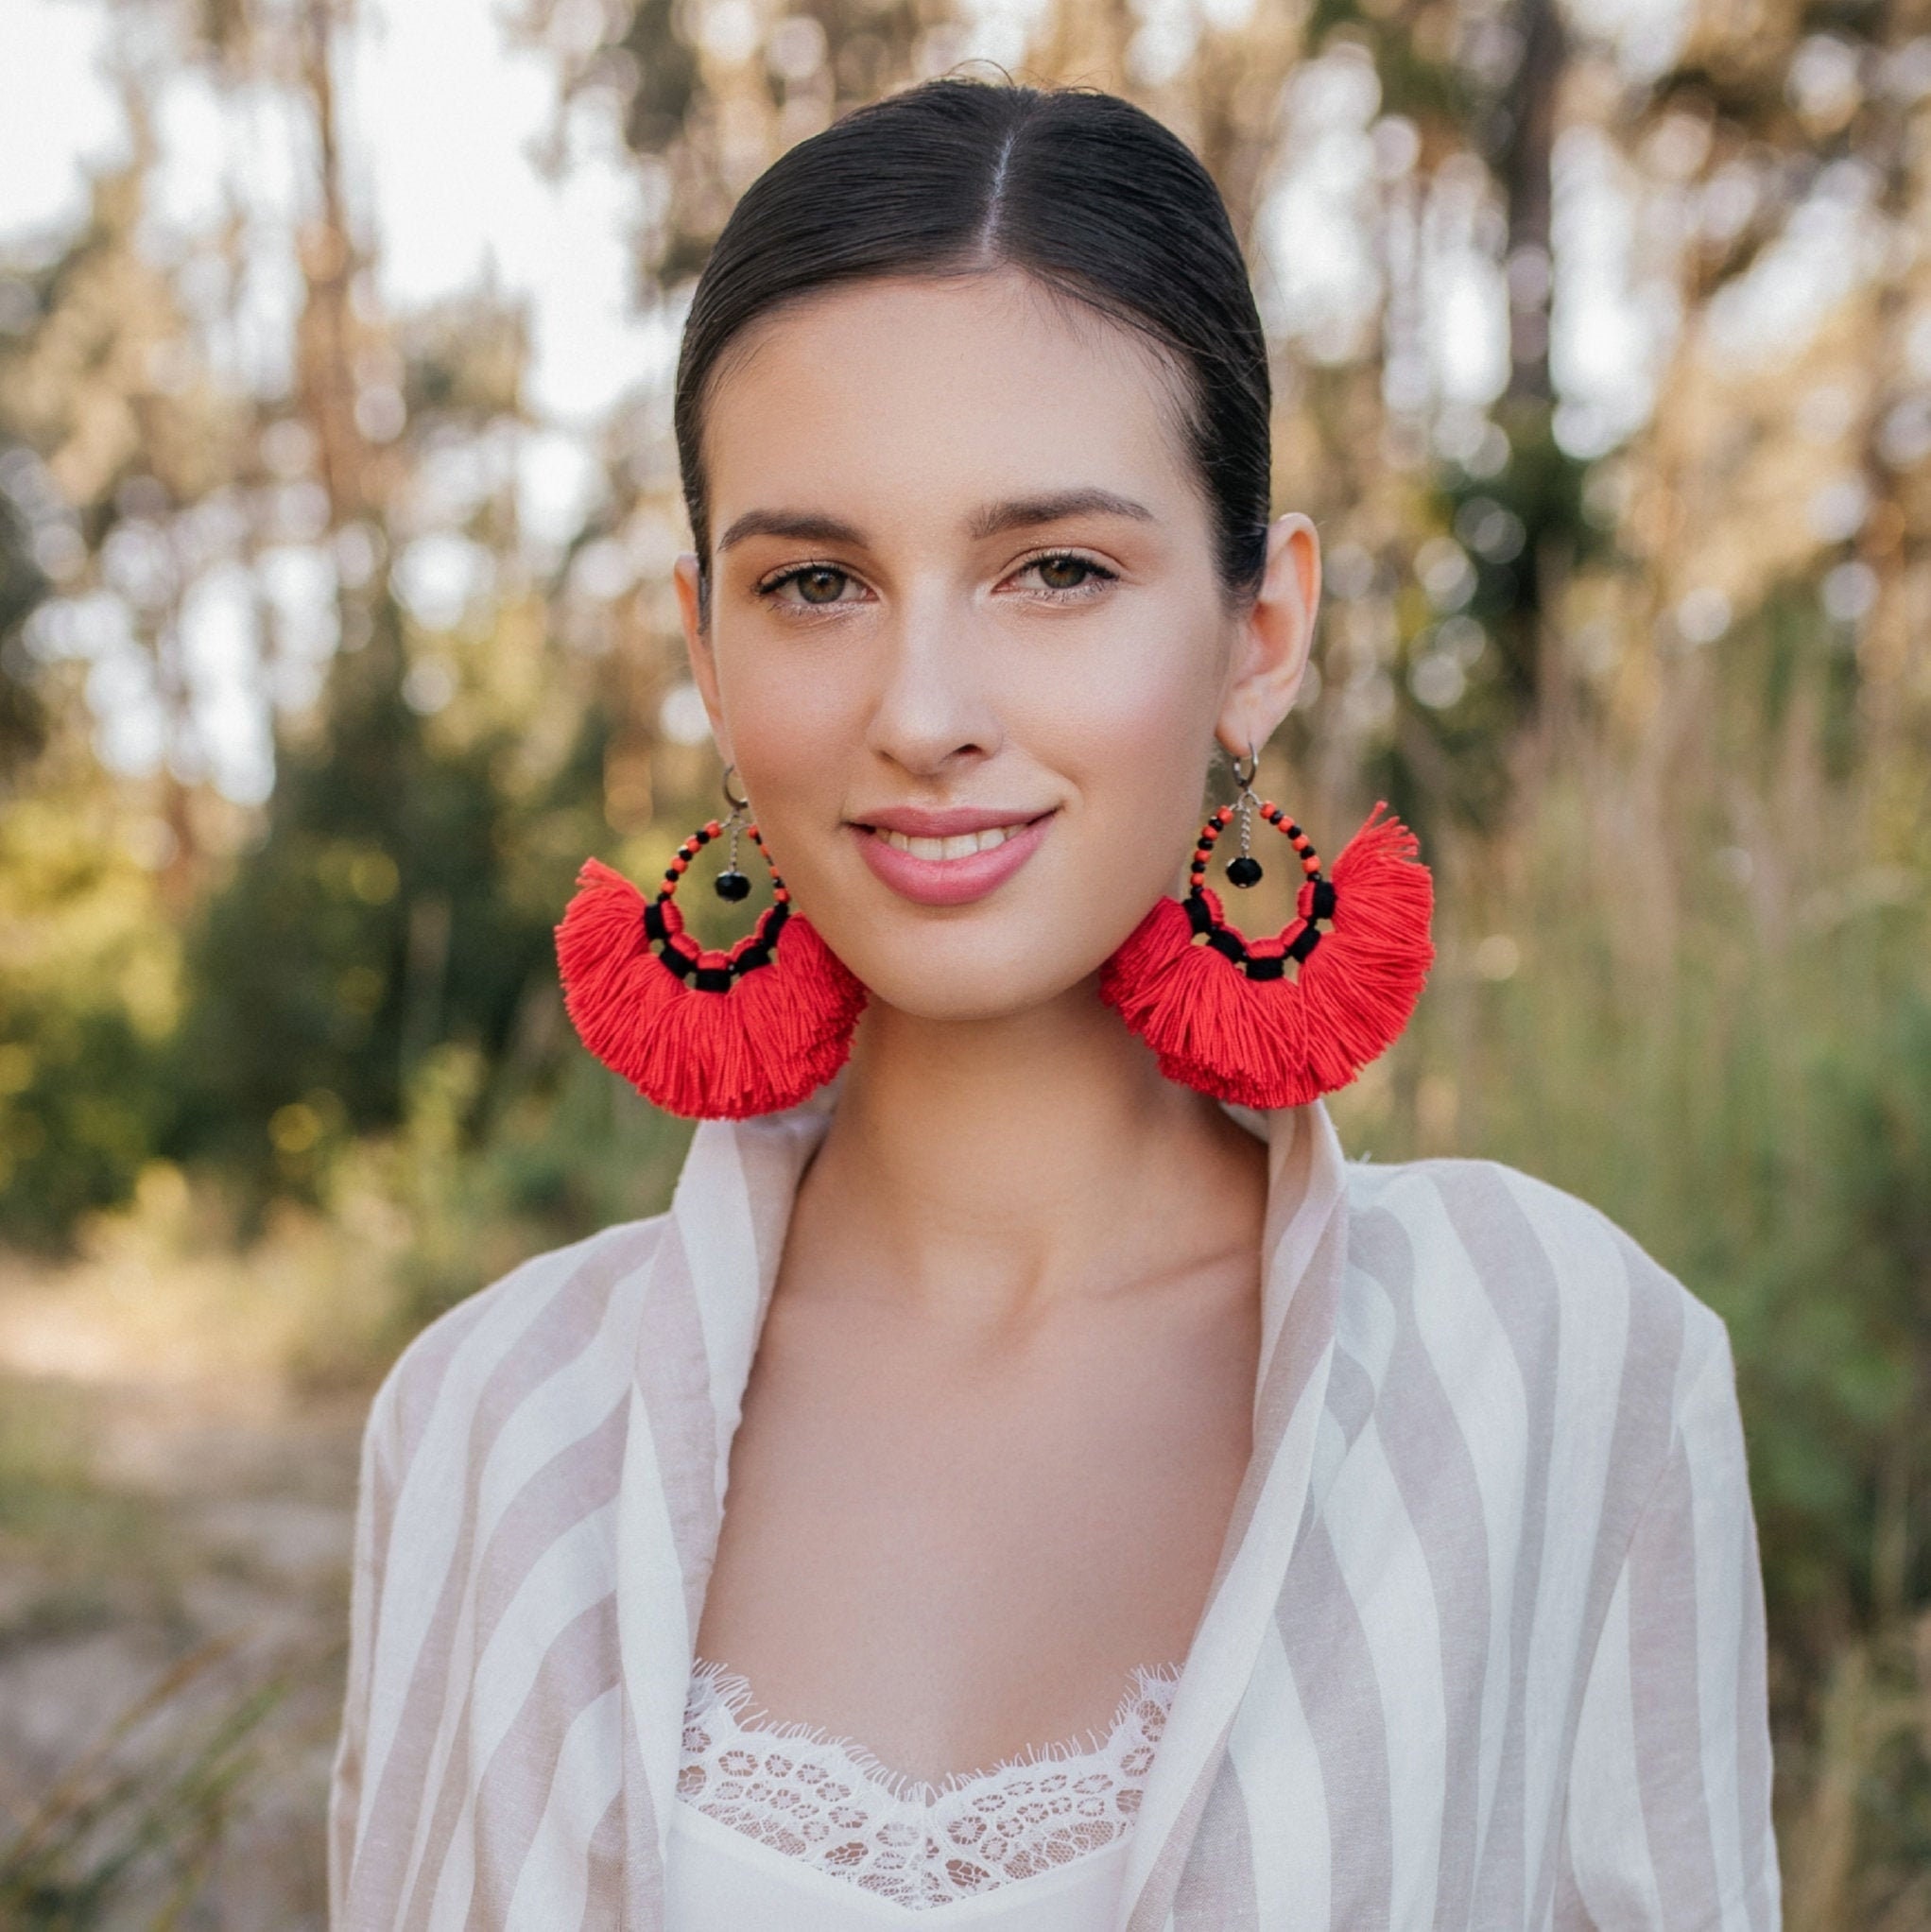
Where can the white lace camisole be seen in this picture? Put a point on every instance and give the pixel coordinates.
(782, 1825)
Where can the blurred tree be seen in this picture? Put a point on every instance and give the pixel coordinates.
(23, 586)
(385, 905)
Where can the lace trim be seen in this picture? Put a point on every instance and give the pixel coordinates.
(829, 1801)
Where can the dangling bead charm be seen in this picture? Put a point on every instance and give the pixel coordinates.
(732, 884)
(1245, 870)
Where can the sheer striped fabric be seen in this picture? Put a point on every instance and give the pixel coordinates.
(1484, 1650)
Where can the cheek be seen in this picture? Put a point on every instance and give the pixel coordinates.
(1132, 734)
(794, 728)
(1129, 741)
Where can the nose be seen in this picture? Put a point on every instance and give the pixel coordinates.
(933, 712)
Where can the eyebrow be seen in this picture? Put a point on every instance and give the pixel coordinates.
(1024, 511)
(995, 519)
(805, 526)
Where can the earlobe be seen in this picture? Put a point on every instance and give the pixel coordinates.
(1277, 634)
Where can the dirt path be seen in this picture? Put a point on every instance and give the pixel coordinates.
(145, 1519)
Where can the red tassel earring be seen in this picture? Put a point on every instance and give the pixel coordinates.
(704, 1034)
(1219, 1009)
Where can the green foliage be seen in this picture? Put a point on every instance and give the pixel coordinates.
(546, 1166)
(86, 1106)
(87, 991)
(385, 910)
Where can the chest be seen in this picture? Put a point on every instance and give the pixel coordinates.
(955, 1545)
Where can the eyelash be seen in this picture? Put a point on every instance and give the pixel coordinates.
(1098, 575)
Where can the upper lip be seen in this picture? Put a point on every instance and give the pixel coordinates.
(943, 821)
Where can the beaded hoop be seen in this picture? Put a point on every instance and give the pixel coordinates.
(710, 969)
(1259, 959)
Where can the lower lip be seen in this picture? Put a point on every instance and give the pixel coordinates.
(950, 880)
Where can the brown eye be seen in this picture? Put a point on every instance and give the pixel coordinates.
(820, 586)
(1062, 573)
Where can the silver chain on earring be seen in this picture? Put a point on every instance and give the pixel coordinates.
(730, 883)
(1244, 870)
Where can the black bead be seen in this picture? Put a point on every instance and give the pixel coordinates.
(1243, 870)
(732, 884)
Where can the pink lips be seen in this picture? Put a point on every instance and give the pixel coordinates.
(947, 881)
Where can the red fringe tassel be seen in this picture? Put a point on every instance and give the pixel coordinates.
(1279, 1043)
(781, 1031)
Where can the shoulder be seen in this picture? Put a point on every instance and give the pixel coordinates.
(476, 1360)
(1602, 1338)
(1532, 1242)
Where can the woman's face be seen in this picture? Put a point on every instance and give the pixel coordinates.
(963, 589)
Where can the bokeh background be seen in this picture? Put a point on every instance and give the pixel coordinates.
(336, 511)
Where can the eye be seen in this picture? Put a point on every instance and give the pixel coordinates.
(1066, 573)
(816, 584)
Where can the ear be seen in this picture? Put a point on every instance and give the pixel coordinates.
(1276, 635)
(690, 604)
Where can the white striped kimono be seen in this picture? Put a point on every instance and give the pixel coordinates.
(1484, 1649)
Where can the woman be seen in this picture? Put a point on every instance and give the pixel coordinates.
(1138, 1515)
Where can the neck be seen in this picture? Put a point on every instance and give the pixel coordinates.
(993, 1165)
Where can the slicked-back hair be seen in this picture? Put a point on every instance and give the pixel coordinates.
(1080, 190)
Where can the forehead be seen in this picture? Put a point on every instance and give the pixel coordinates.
(915, 396)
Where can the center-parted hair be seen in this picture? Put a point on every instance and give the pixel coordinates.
(1081, 190)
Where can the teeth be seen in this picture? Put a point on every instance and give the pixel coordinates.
(961, 846)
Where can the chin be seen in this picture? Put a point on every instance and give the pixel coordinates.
(963, 984)
(967, 1006)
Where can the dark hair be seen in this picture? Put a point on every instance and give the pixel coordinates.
(1079, 189)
